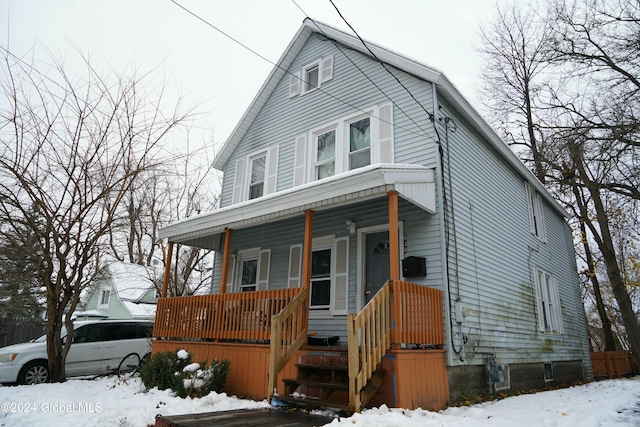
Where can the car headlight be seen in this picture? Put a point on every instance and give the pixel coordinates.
(8, 357)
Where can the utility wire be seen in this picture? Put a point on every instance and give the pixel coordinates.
(431, 116)
(338, 45)
(284, 69)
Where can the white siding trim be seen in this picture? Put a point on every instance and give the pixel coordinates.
(300, 161)
(326, 70)
(295, 266)
(294, 84)
(264, 266)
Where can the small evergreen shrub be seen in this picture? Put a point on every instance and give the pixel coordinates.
(175, 371)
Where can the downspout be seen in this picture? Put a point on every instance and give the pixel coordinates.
(443, 250)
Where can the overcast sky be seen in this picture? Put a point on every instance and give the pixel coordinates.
(217, 74)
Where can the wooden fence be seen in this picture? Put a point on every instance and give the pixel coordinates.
(612, 364)
(14, 330)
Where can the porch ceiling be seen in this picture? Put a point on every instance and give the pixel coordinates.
(414, 183)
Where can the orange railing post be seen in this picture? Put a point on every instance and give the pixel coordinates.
(167, 270)
(225, 260)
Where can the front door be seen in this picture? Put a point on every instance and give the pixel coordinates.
(377, 263)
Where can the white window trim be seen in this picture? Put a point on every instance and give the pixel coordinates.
(262, 271)
(298, 81)
(549, 307)
(341, 126)
(320, 243)
(536, 213)
(242, 178)
(100, 298)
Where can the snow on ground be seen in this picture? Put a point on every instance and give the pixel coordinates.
(114, 402)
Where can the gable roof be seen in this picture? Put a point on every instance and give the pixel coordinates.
(130, 281)
(444, 87)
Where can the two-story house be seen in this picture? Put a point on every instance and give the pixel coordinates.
(368, 208)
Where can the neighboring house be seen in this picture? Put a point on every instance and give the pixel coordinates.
(477, 277)
(124, 292)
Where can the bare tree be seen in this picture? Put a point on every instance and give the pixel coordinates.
(568, 79)
(514, 50)
(72, 148)
(183, 186)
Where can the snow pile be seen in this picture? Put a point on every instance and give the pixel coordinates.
(113, 402)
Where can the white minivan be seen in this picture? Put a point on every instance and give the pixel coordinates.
(99, 347)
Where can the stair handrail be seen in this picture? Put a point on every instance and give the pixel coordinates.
(369, 338)
(288, 335)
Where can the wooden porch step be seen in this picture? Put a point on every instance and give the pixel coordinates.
(322, 366)
(315, 403)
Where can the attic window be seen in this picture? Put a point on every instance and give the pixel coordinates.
(104, 298)
(311, 76)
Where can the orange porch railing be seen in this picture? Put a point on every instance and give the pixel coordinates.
(401, 312)
(232, 316)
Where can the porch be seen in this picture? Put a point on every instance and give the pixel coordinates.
(394, 348)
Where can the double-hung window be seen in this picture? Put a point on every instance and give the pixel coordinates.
(320, 279)
(256, 185)
(548, 302)
(105, 294)
(347, 143)
(325, 154)
(328, 288)
(249, 275)
(360, 143)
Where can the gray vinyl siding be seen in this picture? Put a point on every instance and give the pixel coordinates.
(496, 254)
(282, 119)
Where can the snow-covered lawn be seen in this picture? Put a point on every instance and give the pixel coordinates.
(113, 402)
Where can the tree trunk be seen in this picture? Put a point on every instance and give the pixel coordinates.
(609, 341)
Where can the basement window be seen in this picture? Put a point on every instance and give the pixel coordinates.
(548, 372)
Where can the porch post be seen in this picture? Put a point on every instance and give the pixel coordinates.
(225, 260)
(167, 270)
(394, 244)
(307, 251)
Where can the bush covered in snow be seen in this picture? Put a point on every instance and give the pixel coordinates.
(176, 371)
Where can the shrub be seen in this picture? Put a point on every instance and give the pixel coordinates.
(176, 372)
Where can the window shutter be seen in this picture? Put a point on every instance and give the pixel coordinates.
(530, 208)
(385, 133)
(294, 84)
(295, 264)
(540, 216)
(538, 286)
(326, 69)
(263, 269)
(238, 182)
(271, 170)
(300, 160)
(558, 308)
(341, 276)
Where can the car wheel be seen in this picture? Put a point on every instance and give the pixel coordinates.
(34, 373)
(129, 365)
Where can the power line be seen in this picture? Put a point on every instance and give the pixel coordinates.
(431, 116)
(282, 68)
(337, 45)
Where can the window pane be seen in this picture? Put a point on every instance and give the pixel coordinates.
(312, 78)
(326, 146)
(257, 169)
(326, 170)
(256, 190)
(249, 269)
(321, 263)
(359, 135)
(320, 292)
(359, 159)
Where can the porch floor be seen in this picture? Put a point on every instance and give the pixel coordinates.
(244, 417)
